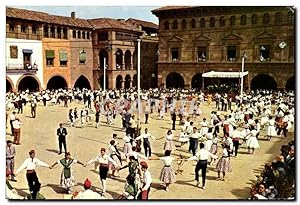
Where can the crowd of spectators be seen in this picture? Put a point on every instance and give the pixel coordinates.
(277, 180)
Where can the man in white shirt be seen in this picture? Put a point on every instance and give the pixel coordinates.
(202, 157)
(87, 193)
(12, 117)
(17, 131)
(146, 143)
(32, 179)
(194, 138)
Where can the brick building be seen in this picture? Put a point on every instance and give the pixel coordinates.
(72, 51)
(194, 40)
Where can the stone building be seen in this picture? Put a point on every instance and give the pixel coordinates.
(67, 52)
(194, 40)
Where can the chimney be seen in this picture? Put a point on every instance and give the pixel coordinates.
(73, 15)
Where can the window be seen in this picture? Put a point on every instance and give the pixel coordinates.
(278, 18)
(202, 23)
(166, 25)
(175, 25)
(52, 32)
(231, 53)
(243, 20)
(88, 35)
(13, 51)
(183, 24)
(49, 57)
(58, 32)
(63, 58)
(266, 18)
(83, 34)
(193, 23)
(254, 19)
(23, 29)
(46, 33)
(264, 53)
(175, 54)
(212, 22)
(74, 33)
(232, 21)
(201, 54)
(11, 28)
(65, 31)
(82, 57)
(103, 36)
(33, 29)
(222, 21)
(79, 34)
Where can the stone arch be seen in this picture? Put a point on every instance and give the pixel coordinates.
(197, 81)
(134, 81)
(56, 82)
(174, 80)
(119, 82)
(119, 59)
(82, 82)
(29, 82)
(127, 59)
(290, 83)
(9, 85)
(127, 81)
(263, 81)
(103, 54)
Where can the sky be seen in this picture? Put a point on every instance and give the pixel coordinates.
(87, 12)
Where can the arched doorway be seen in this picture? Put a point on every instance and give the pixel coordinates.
(82, 82)
(197, 81)
(101, 82)
(28, 82)
(263, 81)
(119, 81)
(127, 59)
(134, 82)
(174, 80)
(9, 86)
(127, 81)
(103, 54)
(57, 82)
(119, 59)
(290, 83)
(134, 58)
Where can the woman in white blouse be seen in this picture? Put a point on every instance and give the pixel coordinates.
(167, 174)
(146, 180)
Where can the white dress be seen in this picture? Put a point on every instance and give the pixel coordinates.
(183, 137)
(271, 131)
(204, 128)
(252, 141)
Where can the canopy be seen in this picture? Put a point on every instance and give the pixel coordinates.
(215, 74)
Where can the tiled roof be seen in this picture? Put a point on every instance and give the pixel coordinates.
(143, 23)
(104, 23)
(165, 8)
(45, 17)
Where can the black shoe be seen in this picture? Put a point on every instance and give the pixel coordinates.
(13, 180)
(59, 153)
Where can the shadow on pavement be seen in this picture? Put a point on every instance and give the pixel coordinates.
(241, 193)
(52, 150)
(188, 183)
(21, 192)
(113, 194)
(57, 188)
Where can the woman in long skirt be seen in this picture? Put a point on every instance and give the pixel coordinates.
(169, 144)
(252, 142)
(223, 164)
(116, 157)
(67, 178)
(167, 174)
(127, 145)
(183, 138)
(271, 130)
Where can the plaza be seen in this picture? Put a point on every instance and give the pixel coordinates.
(84, 143)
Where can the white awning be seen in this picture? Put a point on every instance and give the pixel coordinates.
(215, 74)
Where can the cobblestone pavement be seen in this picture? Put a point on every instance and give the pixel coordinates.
(84, 143)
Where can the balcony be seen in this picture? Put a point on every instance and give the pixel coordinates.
(19, 68)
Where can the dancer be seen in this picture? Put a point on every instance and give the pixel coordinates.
(146, 143)
(67, 178)
(223, 164)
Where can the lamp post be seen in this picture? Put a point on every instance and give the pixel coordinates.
(104, 74)
(242, 75)
(139, 78)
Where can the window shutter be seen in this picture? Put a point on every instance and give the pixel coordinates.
(49, 53)
(13, 51)
(82, 56)
(63, 55)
